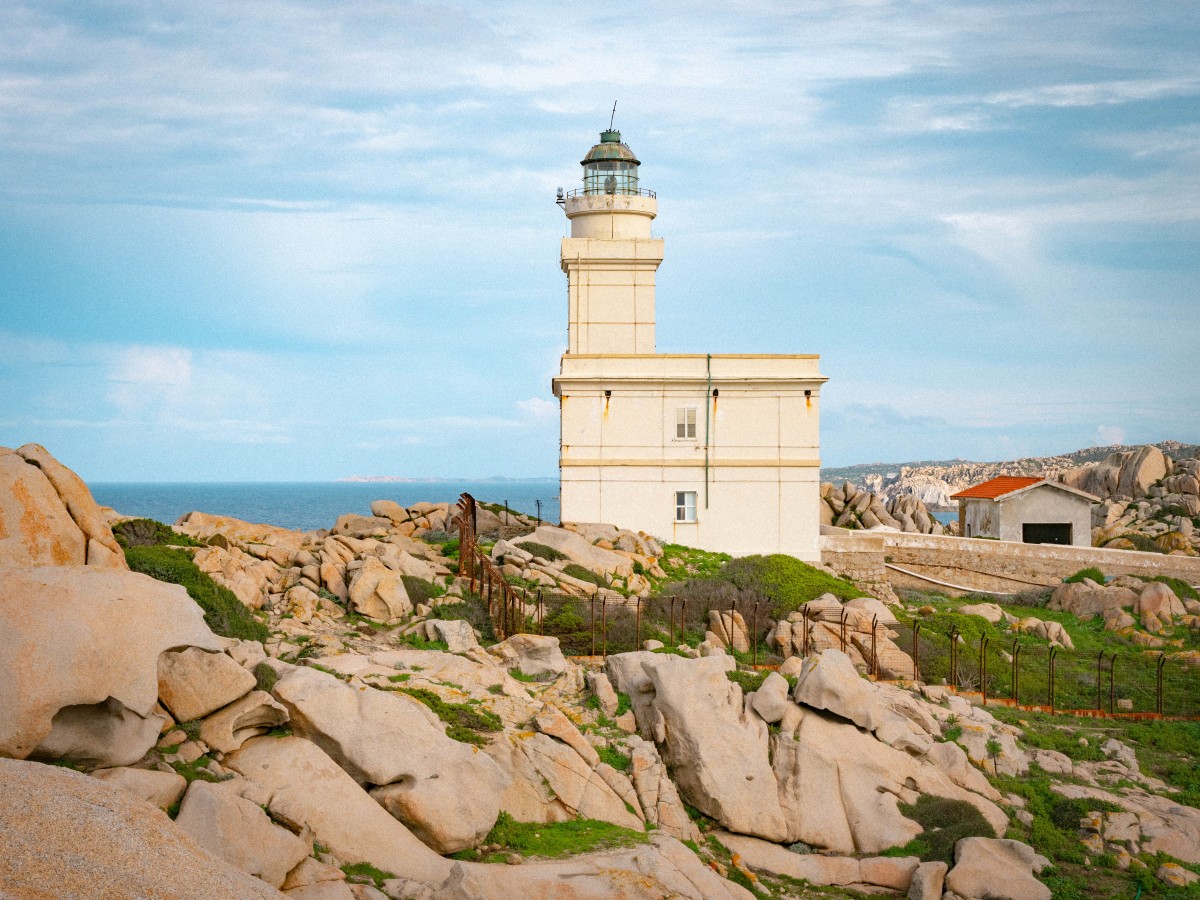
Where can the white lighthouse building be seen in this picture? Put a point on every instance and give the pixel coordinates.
(715, 451)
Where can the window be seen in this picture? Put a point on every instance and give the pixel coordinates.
(685, 506)
(685, 423)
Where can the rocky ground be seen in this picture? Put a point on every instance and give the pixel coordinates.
(328, 715)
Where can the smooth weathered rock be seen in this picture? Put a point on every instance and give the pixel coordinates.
(105, 734)
(162, 789)
(771, 699)
(927, 881)
(580, 551)
(193, 683)
(69, 835)
(458, 635)
(102, 548)
(553, 721)
(77, 636)
(893, 873)
(716, 751)
(239, 832)
(602, 689)
(656, 792)
(307, 787)
(575, 784)
(377, 592)
(1158, 599)
(252, 715)
(533, 654)
(1175, 875)
(996, 868)
(990, 611)
(35, 527)
(1085, 599)
(446, 791)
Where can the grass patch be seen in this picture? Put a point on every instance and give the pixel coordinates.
(264, 677)
(465, 723)
(1091, 572)
(224, 613)
(615, 758)
(946, 822)
(529, 679)
(366, 870)
(419, 643)
(749, 681)
(577, 571)
(195, 771)
(470, 609)
(421, 591)
(549, 554)
(1182, 589)
(786, 581)
(559, 839)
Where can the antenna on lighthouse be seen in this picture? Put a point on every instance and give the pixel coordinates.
(613, 117)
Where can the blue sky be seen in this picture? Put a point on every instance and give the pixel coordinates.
(300, 240)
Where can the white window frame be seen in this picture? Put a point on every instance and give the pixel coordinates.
(685, 423)
(685, 507)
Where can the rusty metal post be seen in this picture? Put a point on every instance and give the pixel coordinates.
(683, 620)
(1099, 671)
(637, 631)
(592, 619)
(1050, 673)
(1158, 683)
(541, 614)
(1016, 673)
(1112, 683)
(672, 615)
(804, 615)
(954, 657)
(604, 627)
(874, 647)
(983, 642)
(917, 652)
(754, 635)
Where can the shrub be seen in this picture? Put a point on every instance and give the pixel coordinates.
(150, 533)
(577, 571)
(1090, 572)
(786, 581)
(749, 681)
(469, 609)
(1182, 589)
(615, 758)
(419, 590)
(223, 611)
(366, 870)
(264, 677)
(549, 554)
(945, 822)
(558, 839)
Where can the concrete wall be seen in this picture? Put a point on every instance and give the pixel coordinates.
(1046, 504)
(990, 565)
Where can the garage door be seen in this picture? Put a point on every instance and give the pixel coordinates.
(1046, 533)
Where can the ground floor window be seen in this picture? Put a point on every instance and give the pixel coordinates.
(1046, 533)
(685, 506)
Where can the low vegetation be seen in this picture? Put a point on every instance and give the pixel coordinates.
(223, 611)
(464, 722)
(945, 823)
(1091, 573)
(549, 554)
(150, 533)
(555, 840)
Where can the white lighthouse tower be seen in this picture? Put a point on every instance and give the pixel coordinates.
(720, 452)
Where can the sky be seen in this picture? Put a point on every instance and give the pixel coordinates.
(286, 241)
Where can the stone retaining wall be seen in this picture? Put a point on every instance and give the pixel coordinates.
(986, 565)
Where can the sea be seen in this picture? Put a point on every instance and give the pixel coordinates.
(307, 506)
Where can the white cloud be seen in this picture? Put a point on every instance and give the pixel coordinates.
(1110, 434)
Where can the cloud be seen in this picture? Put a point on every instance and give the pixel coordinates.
(538, 409)
(1110, 434)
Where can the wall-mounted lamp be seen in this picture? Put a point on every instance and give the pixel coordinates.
(808, 393)
(715, 392)
(607, 394)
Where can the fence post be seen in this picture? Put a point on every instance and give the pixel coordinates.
(637, 632)
(874, 647)
(954, 658)
(1112, 683)
(604, 627)
(845, 613)
(592, 619)
(754, 635)
(1158, 683)
(916, 652)
(1050, 675)
(983, 642)
(541, 614)
(683, 621)
(1099, 673)
(1016, 673)
(673, 621)
(804, 614)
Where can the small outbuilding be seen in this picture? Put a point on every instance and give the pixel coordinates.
(1026, 509)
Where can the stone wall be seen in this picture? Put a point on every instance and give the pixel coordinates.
(916, 560)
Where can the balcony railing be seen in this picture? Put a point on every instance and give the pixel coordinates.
(626, 192)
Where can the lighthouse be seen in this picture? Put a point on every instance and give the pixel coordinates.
(715, 451)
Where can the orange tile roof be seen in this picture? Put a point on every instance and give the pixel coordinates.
(996, 487)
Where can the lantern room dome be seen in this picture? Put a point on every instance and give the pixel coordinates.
(610, 148)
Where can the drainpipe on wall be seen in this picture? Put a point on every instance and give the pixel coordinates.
(707, 416)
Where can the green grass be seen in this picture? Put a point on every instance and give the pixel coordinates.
(223, 611)
(150, 533)
(465, 723)
(785, 581)
(366, 870)
(419, 643)
(749, 681)
(469, 609)
(1090, 572)
(1054, 831)
(680, 562)
(1182, 589)
(421, 591)
(945, 822)
(528, 679)
(577, 571)
(549, 554)
(555, 840)
(615, 758)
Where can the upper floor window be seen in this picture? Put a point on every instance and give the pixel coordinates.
(685, 423)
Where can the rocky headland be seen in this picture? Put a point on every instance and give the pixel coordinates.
(228, 709)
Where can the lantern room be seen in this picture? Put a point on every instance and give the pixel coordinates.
(610, 167)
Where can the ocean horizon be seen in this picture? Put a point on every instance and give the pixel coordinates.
(309, 505)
